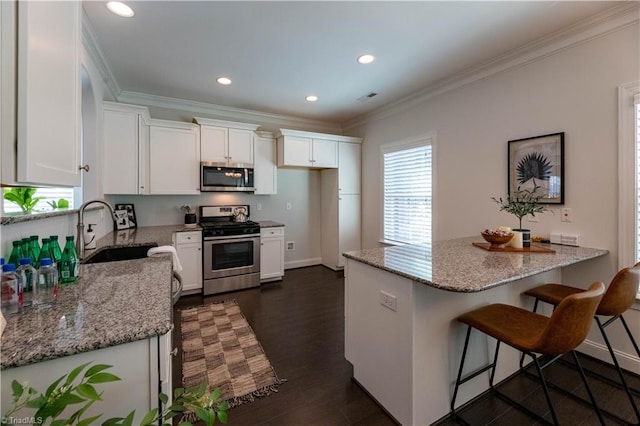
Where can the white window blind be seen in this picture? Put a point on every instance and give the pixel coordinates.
(407, 192)
(48, 194)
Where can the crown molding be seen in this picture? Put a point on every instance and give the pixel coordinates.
(227, 113)
(92, 47)
(606, 22)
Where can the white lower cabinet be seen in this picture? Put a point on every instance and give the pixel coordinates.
(271, 253)
(144, 367)
(189, 248)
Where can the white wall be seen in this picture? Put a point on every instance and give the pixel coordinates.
(573, 91)
(302, 223)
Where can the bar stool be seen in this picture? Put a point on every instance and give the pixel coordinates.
(618, 298)
(532, 333)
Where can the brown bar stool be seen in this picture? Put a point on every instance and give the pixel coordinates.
(532, 333)
(618, 298)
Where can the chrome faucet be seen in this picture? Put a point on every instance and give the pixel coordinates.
(80, 239)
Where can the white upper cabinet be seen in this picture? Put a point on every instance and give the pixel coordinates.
(125, 149)
(226, 141)
(265, 172)
(48, 92)
(349, 168)
(298, 148)
(174, 157)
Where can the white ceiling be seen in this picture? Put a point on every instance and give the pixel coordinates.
(277, 53)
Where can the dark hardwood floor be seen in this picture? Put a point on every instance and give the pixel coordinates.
(300, 324)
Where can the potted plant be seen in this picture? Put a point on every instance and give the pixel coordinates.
(193, 404)
(522, 203)
(23, 197)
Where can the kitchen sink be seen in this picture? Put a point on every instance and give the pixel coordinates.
(114, 254)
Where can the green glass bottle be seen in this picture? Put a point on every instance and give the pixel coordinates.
(68, 266)
(25, 248)
(16, 253)
(35, 249)
(54, 247)
(45, 252)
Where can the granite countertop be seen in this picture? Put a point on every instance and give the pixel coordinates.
(112, 303)
(456, 265)
(269, 224)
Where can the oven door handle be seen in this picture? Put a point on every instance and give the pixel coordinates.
(232, 238)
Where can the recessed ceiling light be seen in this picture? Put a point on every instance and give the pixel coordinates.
(120, 9)
(224, 81)
(311, 98)
(366, 59)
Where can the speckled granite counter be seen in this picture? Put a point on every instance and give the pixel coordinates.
(269, 224)
(112, 303)
(456, 265)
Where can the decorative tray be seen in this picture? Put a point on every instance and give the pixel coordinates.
(535, 248)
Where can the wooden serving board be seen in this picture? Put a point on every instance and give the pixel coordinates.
(535, 248)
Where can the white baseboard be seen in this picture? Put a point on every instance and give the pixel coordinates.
(600, 351)
(302, 263)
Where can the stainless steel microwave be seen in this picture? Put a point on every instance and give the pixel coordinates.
(226, 177)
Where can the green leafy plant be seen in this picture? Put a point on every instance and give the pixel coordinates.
(193, 404)
(23, 197)
(522, 203)
(61, 204)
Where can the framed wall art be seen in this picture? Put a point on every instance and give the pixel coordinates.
(126, 215)
(538, 163)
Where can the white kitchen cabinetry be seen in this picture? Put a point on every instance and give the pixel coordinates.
(189, 249)
(271, 253)
(125, 149)
(174, 157)
(226, 142)
(340, 204)
(43, 117)
(143, 365)
(265, 172)
(306, 149)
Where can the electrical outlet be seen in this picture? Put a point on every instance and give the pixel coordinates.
(388, 300)
(288, 206)
(259, 206)
(567, 215)
(291, 245)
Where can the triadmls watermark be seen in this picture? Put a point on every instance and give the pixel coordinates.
(26, 420)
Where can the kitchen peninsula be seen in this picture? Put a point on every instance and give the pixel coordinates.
(118, 313)
(400, 308)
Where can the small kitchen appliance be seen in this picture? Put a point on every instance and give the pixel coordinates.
(226, 177)
(230, 249)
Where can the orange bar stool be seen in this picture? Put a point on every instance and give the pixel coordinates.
(532, 333)
(618, 298)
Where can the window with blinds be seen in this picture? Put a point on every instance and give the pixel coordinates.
(49, 195)
(407, 192)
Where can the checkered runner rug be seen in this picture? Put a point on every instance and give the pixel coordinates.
(220, 348)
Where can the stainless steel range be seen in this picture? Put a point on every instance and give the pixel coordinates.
(231, 249)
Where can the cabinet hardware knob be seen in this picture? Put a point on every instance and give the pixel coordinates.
(174, 352)
(85, 167)
(142, 187)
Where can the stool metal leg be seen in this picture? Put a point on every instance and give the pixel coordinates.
(458, 379)
(545, 388)
(586, 385)
(633, 341)
(617, 364)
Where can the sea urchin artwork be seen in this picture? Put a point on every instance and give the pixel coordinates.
(533, 166)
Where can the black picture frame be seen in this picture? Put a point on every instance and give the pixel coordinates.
(126, 214)
(538, 161)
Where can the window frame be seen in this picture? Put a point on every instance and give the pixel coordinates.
(412, 142)
(627, 178)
